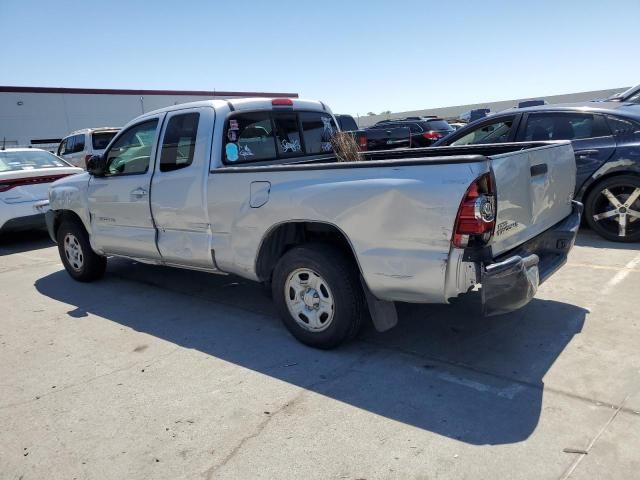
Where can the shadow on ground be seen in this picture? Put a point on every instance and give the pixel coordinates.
(18, 242)
(588, 238)
(444, 368)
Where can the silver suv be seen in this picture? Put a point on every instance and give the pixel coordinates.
(77, 147)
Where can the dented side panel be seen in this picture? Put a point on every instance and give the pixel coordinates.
(399, 220)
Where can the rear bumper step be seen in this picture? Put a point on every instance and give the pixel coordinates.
(513, 280)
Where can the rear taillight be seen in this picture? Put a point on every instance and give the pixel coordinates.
(21, 182)
(431, 135)
(362, 142)
(477, 214)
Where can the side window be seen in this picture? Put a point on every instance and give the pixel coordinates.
(560, 126)
(131, 152)
(318, 129)
(287, 134)
(179, 142)
(249, 138)
(78, 144)
(622, 127)
(415, 128)
(496, 132)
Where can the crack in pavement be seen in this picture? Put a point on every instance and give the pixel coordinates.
(336, 374)
(581, 456)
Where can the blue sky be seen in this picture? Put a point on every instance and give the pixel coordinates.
(356, 56)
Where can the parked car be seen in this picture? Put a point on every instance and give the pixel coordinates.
(77, 147)
(25, 176)
(473, 115)
(424, 132)
(375, 138)
(249, 187)
(606, 140)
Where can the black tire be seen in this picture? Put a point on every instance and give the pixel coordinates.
(341, 276)
(597, 203)
(91, 265)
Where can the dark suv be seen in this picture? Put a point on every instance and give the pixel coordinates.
(424, 131)
(606, 142)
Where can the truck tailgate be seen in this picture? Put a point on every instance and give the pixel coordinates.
(534, 189)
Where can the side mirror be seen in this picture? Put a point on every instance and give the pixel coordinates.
(96, 165)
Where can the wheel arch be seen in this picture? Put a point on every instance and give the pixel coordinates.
(284, 236)
(63, 215)
(596, 180)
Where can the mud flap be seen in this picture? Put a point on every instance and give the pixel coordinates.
(509, 285)
(383, 314)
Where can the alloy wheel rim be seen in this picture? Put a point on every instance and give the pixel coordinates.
(309, 300)
(73, 252)
(617, 210)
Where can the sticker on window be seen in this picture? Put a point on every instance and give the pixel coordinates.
(290, 146)
(233, 125)
(245, 152)
(232, 152)
(232, 136)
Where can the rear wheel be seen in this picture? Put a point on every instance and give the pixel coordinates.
(317, 292)
(77, 256)
(612, 209)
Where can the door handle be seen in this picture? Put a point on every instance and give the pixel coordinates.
(139, 193)
(539, 169)
(586, 153)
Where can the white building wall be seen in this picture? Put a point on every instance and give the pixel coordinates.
(54, 115)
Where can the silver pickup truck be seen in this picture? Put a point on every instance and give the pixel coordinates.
(252, 188)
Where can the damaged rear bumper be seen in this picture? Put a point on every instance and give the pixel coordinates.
(513, 280)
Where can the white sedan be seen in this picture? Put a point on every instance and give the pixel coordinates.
(25, 177)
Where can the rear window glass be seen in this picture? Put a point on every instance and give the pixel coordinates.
(249, 138)
(287, 134)
(28, 160)
(438, 125)
(318, 130)
(347, 123)
(100, 140)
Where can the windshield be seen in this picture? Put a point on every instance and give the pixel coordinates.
(28, 160)
(100, 140)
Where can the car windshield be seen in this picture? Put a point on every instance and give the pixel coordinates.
(28, 160)
(100, 140)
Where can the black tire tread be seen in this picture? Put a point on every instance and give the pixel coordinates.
(94, 264)
(346, 285)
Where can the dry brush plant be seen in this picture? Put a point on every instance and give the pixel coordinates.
(345, 147)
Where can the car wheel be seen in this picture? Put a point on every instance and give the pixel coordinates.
(612, 209)
(77, 256)
(317, 292)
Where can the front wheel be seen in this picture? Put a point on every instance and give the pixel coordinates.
(317, 292)
(612, 209)
(77, 256)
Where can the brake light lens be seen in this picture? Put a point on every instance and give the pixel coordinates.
(21, 182)
(431, 135)
(282, 102)
(476, 217)
(362, 142)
